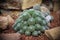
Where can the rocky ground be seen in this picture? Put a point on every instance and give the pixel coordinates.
(10, 34)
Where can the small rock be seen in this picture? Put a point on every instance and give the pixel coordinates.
(12, 36)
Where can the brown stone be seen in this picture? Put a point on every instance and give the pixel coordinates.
(53, 34)
(30, 3)
(20, 4)
(3, 22)
(11, 36)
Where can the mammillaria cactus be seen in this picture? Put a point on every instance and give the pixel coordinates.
(31, 22)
